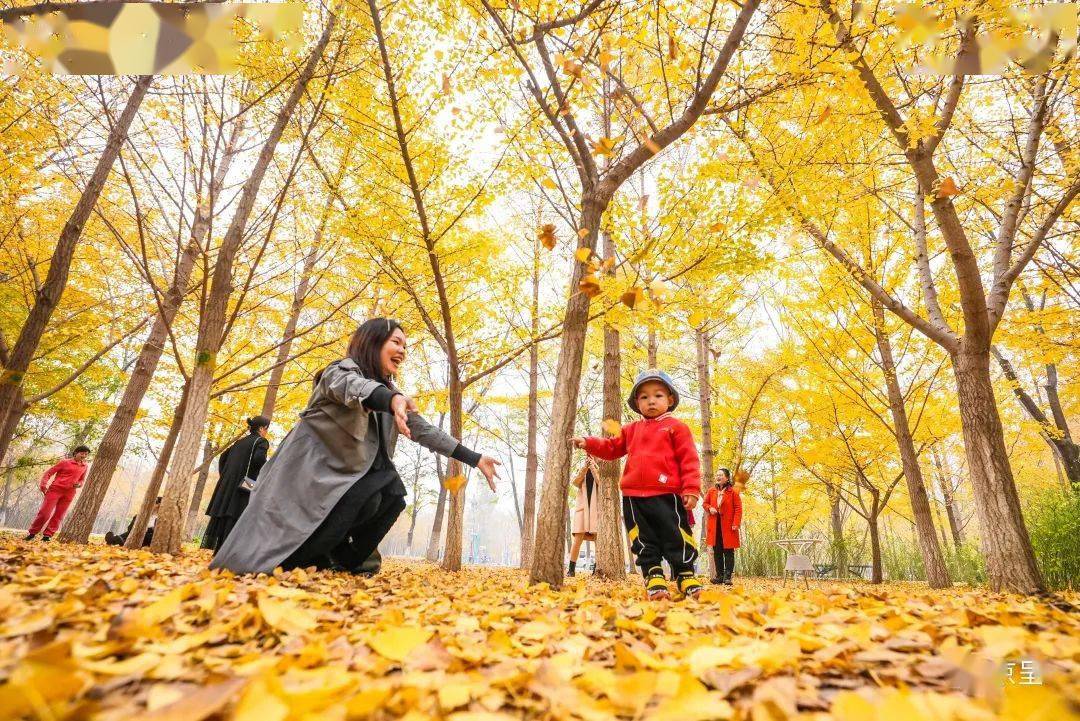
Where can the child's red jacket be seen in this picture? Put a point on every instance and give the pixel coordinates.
(661, 456)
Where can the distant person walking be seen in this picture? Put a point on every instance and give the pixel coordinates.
(723, 507)
(586, 512)
(238, 469)
(67, 476)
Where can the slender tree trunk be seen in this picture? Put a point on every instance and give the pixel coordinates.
(707, 452)
(440, 510)
(153, 488)
(531, 460)
(415, 508)
(937, 575)
(653, 348)
(547, 563)
(11, 423)
(5, 502)
(950, 502)
(200, 486)
(609, 558)
(1010, 559)
(289, 334)
(169, 531)
(107, 455)
(836, 523)
(875, 546)
(50, 292)
(455, 525)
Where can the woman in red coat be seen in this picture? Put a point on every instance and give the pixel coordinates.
(723, 509)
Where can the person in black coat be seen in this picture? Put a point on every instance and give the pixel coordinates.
(241, 460)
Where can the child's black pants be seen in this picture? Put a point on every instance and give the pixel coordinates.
(659, 528)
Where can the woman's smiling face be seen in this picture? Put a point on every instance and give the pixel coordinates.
(392, 354)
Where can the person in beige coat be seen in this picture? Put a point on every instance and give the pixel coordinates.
(586, 511)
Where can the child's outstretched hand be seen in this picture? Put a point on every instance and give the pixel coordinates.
(690, 501)
(578, 442)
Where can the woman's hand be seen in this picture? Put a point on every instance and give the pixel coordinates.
(399, 404)
(487, 466)
(578, 442)
(690, 500)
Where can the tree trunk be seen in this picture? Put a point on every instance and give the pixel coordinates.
(50, 292)
(653, 347)
(1010, 559)
(875, 546)
(951, 511)
(11, 424)
(707, 452)
(200, 486)
(289, 333)
(547, 559)
(113, 443)
(146, 508)
(531, 460)
(937, 575)
(609, 557)
(455, 525)
(169, 532)
(836, 523)
(440, 510)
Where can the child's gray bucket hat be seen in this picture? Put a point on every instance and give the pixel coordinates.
(652, 374)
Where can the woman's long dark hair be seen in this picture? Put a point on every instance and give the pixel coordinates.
(366, 344)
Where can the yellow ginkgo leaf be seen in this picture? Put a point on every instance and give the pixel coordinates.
(582, 255)
(454, 483)
(632, 297)
(547, 235)
(590, 285)
(611, 427)
(285, 615)
(948, 188)
(604, 146)
(398, 642)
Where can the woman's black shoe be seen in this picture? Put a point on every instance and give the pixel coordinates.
(572, 570)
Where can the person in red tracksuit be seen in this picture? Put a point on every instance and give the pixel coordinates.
(67, 476)
(723, 509)
(661, 484)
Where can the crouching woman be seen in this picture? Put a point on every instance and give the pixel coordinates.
(331, 492)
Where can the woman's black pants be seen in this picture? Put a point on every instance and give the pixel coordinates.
(352, 530)
(724, 561)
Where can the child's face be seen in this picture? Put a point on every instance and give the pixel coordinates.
(81, 456)
(653, 399)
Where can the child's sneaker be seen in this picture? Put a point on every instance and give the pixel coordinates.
(656, 586)
(689, 585)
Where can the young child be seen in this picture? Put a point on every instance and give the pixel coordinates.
(67, 476)
(660, 484)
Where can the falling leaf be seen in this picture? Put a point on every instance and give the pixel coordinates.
(583, 233)
(611, 427)
(572, 68)
(582, 255)
(549, 184)
(672, 48)
(547, 235)
(604, 58)
(445, 84)
(947, 188)
(454, 483)
(658, 290)
(632, 297)
(824, 114)
(590, 285)
(604, 146)
(606, 265)
(398, 642)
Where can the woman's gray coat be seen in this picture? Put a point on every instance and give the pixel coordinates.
(332, 446)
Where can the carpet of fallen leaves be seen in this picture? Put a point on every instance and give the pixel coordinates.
(96, 632)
